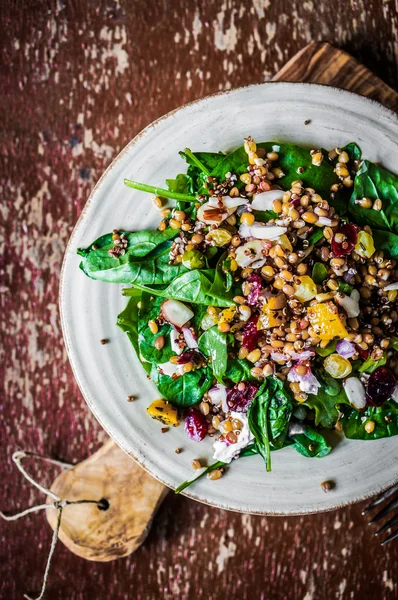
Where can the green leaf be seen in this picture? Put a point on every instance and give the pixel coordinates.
(386, 241)
(353, 151)
(371, 365)
(185, 390)
(263, 216)
(193, 287)
(394, 343)
(329, 349)
(209, 469)
(181, 184)
(149, 311)
(258, 423)
(319, 273)
(311, 443)
(146, 260)
(250, 450)
(127, 320)
(269, 415)
(222, 289)
(344, 287)
(208, 159)
(374, 182)
(291, 158)
(157, 191)
(213, 344)
(384, 417)
(239, 370)
(315, 236)
(325, 403)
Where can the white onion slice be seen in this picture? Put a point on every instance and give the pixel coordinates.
(264, 200)
(174, 335)
(170, 369)
(350, 303)
(249, 253)
(355, 391)
(268, 232)
(345, 348)
(176, 313)
(218, 395)
(234, 202)
(189, 337)
(391, 287)
(308, 383)
(325, 221)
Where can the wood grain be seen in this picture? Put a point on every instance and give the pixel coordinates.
(322, 63)
(132, 495)
(78, 81)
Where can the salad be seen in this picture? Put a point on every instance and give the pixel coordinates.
(264, 307)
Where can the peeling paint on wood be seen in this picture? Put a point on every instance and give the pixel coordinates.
(79, 80)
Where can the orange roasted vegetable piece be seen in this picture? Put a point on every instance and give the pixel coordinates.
(326, 321)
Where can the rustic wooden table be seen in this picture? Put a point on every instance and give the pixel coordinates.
(78, 80)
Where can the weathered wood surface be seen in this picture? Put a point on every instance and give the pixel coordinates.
(78, 80)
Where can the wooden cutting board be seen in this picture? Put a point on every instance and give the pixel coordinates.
(133, 494)
(320, 62)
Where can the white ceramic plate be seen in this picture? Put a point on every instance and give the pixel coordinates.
(108, 374)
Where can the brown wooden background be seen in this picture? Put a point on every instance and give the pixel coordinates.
(78, 80)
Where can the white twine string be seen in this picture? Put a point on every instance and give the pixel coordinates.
(59, 504)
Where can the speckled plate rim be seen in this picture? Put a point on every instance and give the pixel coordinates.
(135, 453)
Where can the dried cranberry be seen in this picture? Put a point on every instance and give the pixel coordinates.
(250, 334)
(347, 246)
(188, 356)
(195, 425)
(255, 283)
(239, 400)
(364, 354)
(381, 386)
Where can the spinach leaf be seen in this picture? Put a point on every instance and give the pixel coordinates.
(250, 450)
(127, 320)
(209, 469)
(353, 151)
(315, 236)
(291, 158)
(326, 401)
(344, 287)
(182, 184)
(386, 241)
(239, 370)
(258, 423)
(208, 159)
(311, 443)
(374, 182)
(149, 311)
(384, 417)
(394, 343)
(222, 289)
(319, 273)
(185, 390)
(371, 365)
(213, 344)
(263, 216)
(146, 259)
(192, 286)
(269, 415)
(329, 349)
(139, 243)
